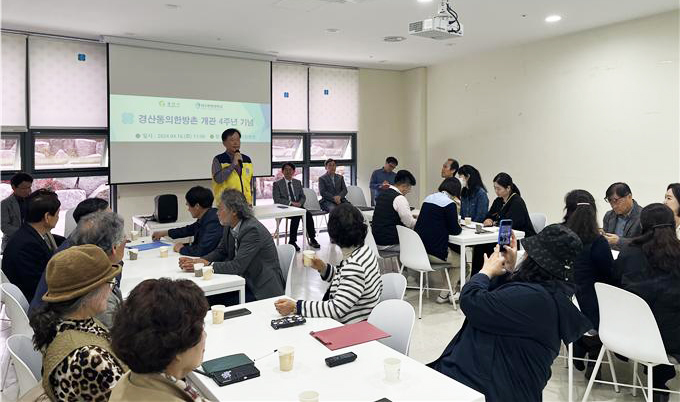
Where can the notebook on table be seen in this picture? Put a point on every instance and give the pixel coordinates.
(349, 335)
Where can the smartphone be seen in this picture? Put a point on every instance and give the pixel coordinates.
(236, 313)
(504, 233)
(281, 206)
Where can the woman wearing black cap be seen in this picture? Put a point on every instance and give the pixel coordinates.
(513, 330)
(650, 268)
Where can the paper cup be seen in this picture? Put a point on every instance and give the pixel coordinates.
(134, 235)
(286, 355)
(164, 250)
(468, 221)
(133, 253)
(392, 368)
(309, 396)
(218, 313)
(198, 272)
(207, 273)
(307, 257)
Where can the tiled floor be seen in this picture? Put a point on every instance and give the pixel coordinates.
(431, 334)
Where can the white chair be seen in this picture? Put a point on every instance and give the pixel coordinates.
(394, 286)
(4, 277)
(396, 317)
(286, 254)
(355, 195)
(383, 256)
(27, 362)
(538, 220)
(640, 342)
(69, 223)
(16, 308)
(413, 255)
(312, 204)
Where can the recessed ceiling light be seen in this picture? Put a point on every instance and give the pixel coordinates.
(172, 6)
(424, 1)
(394, 38)
(129, 33)
(332, 30)
(382, 61)
(553, 18)
(272, 52)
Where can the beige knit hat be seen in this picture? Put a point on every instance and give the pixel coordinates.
(77, 271)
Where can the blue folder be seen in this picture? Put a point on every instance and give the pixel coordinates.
(149, 246)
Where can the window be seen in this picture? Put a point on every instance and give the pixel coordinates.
(287, 148)
(333, 99)
(13, 81)
(317, 171)
(10, 152)
(66, 152)
(289, 97)
(336, 147)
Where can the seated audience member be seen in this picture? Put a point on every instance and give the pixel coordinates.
(622, 223)
(507, 205)
(160, 345)
(438, 220)
(332, 187)
(474, 199)
(650, 268)
(104, 229)
(450, 168)
(672, 201)
(13, 208)
(382, 178)
(356, 285)
(392, 209)
(246, 249)
(206, 231)
(288, 191)
(594, 264)
(513, 331)
(78, 364)
(27, 252)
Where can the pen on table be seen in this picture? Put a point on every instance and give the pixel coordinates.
(268, 354)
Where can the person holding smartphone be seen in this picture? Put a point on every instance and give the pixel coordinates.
(507, 205)
(507, 343)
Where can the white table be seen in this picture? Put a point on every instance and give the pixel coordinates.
(361, 380)
(369, 214)
(278, 211)
(468, 237)
(149, 265)
(147, 227)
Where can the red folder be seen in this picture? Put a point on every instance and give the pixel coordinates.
(349, 335)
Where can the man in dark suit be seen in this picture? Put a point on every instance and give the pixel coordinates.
(622, 222)
(332, 187)
(206, 231)
(288, 191)
(246, 249)
(13, 208)
(27, 252)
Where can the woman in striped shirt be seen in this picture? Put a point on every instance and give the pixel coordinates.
(355, 283)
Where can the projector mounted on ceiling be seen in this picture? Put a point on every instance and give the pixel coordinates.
(444, 25)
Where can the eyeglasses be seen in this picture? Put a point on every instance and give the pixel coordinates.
(112, 283)
(615, 201)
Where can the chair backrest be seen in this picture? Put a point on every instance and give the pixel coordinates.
(370, 241)
(16, 308)
(355, 195)
(618, 308)
(396, 317)
(311, 200)
(27, 361)
(412, 252)
(69, 223)
(538, 220)
(394, 286)
(286, 254)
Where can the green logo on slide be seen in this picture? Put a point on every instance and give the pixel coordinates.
(161, 103)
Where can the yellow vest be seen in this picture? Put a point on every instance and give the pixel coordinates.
(234, 181)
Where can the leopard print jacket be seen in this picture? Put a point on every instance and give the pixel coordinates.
(88, 373)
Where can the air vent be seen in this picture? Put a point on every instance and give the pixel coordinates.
(415, 26)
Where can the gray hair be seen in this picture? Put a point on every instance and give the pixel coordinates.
(103, 229)
(236, 202)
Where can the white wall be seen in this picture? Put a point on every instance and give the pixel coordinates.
(137, 199)
(578, 111)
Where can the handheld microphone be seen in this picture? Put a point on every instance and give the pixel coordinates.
(240, 161)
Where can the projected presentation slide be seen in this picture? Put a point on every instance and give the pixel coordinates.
(161, 119)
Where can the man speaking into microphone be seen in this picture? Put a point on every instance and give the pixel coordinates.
(232, 169)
